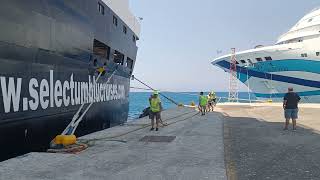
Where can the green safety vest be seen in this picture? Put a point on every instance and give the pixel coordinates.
(155, 104)
(203, 100)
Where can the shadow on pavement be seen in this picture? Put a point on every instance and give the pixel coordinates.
(262, 150)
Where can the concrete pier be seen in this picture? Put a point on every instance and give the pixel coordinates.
(236, 142)
(195, 152)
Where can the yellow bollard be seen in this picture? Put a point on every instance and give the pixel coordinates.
(65, 139)
(101, 69)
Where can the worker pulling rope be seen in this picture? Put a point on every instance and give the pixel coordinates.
(111, 138)
(66, 142)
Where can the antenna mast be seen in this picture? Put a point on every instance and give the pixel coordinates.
(233, 83)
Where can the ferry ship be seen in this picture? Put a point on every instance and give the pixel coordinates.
(294, 61)
(49, 53)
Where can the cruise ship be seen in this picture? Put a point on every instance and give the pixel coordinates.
(50, 51)
(294, 61)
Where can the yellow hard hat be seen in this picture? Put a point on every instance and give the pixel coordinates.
(155, 92)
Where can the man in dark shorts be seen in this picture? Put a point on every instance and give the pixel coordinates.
(290, 106)
(155, 110)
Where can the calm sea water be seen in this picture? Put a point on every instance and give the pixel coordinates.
(140, 100)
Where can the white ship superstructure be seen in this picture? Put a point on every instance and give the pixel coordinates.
(294, 61)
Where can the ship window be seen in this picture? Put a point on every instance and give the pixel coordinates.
(310, 20)
(129, 63)
(243, 61)
(318, 53)
(101, 49)
(101, 8)
(124, 29)
(115, 20)
(304, 55)
(118, 57)
(268, 58)
(259, 59)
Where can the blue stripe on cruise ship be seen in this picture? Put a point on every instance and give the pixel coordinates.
(260, 71)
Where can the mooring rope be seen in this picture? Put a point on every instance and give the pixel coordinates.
(88, 141)
(193, 94)
(171, 100)
(148, 89)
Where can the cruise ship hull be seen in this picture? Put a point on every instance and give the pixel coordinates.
(270, 80)
(49, 55)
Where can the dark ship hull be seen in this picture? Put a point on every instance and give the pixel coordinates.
(49, 53)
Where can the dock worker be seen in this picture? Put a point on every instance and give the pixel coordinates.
(149, 114)
(155, 109)
(214, 97)
(203, 103)
(211, 101)
(290, 106)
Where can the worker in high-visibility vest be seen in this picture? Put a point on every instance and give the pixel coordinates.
(203, 101)
(155, 110)
(211, 101)
(214, 97)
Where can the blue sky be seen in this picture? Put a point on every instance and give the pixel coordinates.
(180, 38)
